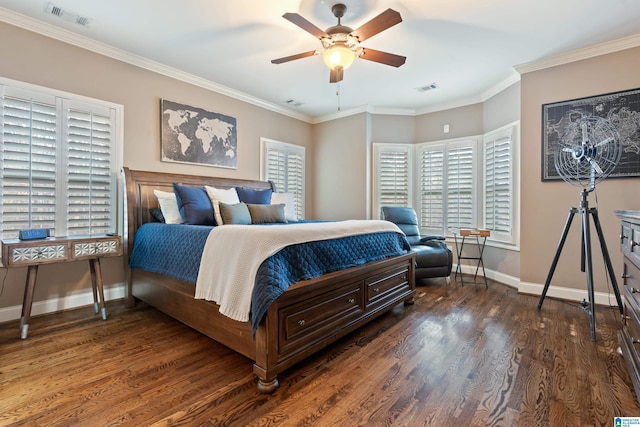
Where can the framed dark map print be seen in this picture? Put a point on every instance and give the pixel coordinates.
(194, 135)
(622, 109)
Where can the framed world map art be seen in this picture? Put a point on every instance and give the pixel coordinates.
(622, 109)
(197, 136)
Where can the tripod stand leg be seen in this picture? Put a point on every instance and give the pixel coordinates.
(607, 259)
(554, 264)
(589, 270)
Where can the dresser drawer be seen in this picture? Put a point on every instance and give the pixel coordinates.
(385, 287)
(311, 320)
(630, 241)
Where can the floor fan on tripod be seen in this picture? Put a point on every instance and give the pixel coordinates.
(587, 152)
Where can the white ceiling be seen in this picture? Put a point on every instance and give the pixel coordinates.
(467, 47)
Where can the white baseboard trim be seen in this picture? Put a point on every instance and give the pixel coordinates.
(58, 304)
(511, 281)
(568, 294)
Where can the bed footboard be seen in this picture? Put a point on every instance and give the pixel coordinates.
(315, 313)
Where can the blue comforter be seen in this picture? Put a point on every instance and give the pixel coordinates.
(175, 250)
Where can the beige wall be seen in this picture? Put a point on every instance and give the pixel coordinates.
(31, 58)
(462, 121)
(340, 158)
(545, 205)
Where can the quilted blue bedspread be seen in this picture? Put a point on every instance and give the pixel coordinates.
(175, 250)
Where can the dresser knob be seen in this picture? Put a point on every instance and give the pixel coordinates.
(301, 322)
(352, 300)
(632, 244)
(634, 340)
(376, 290)
(624, 276)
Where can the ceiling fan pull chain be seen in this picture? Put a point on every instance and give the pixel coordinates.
(338, 94)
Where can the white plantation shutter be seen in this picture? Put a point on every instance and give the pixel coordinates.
(393, 177)
(460, 187)
(90, 157)
(57, 164)
(447, 179)
(284, 165)
(29, 129)
(499, 175)
(431, 165)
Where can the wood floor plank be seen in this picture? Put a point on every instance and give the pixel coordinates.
(461, 355)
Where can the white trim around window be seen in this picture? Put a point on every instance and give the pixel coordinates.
(284, 164)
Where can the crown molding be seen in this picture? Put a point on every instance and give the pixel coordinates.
(580, 54)
(500, 86)
(60, 34)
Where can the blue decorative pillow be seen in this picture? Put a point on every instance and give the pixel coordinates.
(194, 204)
(254, 197)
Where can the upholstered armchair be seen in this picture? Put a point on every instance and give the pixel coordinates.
(433, 256)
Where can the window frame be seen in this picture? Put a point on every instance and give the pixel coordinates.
(511, 131)
(63, 101)
(447, 146)
(266, 144)
(507, 241)
(379, 149)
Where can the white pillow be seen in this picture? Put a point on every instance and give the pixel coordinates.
(169, 207)
(217, 195)
(289, 204)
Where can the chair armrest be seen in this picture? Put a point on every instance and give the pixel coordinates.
(429, 238)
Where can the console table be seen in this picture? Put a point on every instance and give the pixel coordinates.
(33, 253)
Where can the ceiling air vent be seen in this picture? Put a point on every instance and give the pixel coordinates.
(430, 86)
(293, 103)
(68, 15)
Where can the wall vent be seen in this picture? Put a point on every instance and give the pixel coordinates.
(68, 15)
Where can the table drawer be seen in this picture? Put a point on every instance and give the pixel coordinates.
(109, 246)
(41, 253)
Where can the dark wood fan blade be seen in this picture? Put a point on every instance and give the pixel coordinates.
(386, 19)
(336, 75)
(382, 57)
(293, 57)
(305, 25)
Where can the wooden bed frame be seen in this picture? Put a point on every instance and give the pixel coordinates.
(306, 318)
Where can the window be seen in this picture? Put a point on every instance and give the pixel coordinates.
(393, 184)
(283, 164)
(59, 163)
(447, 185)
(500, 209)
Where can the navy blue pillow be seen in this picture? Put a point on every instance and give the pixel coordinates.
(254, 197)
(194, 204)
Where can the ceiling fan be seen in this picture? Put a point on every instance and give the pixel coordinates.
(341, 44)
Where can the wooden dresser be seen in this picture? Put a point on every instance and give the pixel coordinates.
(630, 332)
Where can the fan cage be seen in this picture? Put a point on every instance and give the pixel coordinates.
(588, 151)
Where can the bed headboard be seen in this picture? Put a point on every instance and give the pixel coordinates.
(139, 197)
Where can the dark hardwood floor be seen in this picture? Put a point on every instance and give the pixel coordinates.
(460, 356)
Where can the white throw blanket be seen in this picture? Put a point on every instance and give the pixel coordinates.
(233, 253)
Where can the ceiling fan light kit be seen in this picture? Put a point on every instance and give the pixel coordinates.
(341, 44)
